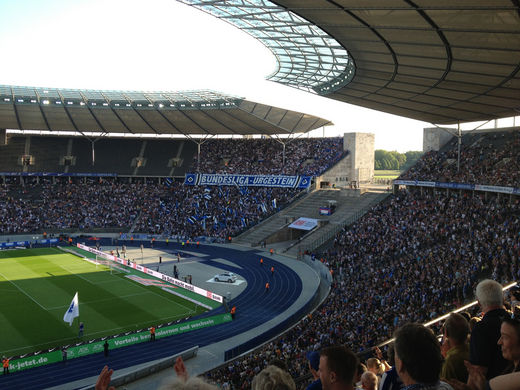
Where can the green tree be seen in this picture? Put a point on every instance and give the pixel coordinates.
(394, 160)
(386, 160)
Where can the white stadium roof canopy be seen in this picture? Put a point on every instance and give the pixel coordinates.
(439, 61)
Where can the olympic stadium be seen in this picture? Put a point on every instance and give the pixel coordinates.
(134, 200)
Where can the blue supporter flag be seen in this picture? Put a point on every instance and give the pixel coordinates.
(168, 182)
(207, 196)
(191, 220)
(73, 310)
(274, 203)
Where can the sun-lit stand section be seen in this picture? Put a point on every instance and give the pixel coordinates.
(308, 58)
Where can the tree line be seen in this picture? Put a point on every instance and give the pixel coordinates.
(394, 160)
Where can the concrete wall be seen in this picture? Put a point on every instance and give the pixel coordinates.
(357, 166)
(363, 155)
(435, 138)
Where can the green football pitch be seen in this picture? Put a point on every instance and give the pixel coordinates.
(37, 287)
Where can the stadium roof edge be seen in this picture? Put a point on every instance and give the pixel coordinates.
(186, 113)
(430, 60)
(308, 58)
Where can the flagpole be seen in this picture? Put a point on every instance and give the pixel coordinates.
(79, 315)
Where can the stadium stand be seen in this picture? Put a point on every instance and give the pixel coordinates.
(44, 150)
(423, 251)
(262, 156)
(10, 156)
(265, 156)
(436, 244)
(168, 158)
(215, 212)
(490, 158)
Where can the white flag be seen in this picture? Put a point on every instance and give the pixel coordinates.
(73, 310)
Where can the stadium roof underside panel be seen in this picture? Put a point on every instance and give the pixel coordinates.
(438, 61)
(177, 113)
(307, 57)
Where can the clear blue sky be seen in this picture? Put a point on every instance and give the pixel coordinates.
(164, 45)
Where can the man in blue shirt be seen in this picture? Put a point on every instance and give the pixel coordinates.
(313, 358)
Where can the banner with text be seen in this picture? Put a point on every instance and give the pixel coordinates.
(141, 337)
(459, 186)
(169, 279)
(207, 179)
(35, 361)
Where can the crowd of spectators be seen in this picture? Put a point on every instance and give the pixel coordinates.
(191, 211)
(412, 258)
(486, 158)
(306, 156)
(30, 204)
(168, 209)
(44, 204)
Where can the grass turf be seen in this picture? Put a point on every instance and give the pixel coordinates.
(37, 286)
(386, 174)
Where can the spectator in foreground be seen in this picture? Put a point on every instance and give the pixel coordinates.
(418, 358)
(273, 378)
(105, 376)
(361, 369)
(509, 342)
(477, 381)
(455, 333)
(374, 365)
(369, 381)
(338, 367)
(313, 359)
(484, 349)
(390, 379)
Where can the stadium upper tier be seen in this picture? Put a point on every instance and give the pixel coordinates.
(167, 157)
(431, 60)
(176, 113)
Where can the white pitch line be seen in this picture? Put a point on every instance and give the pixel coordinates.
(21, 290)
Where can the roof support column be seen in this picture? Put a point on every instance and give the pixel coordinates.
(199, 142)
(283, 155)
(198, 157)
(3, 137)
(459, 136)
(93, 152)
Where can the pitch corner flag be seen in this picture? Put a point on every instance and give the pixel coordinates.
(73, 311)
